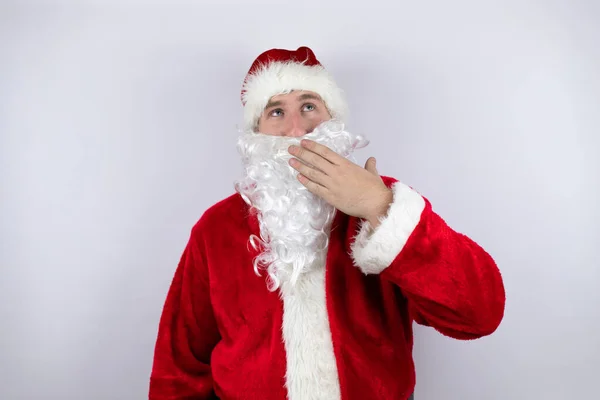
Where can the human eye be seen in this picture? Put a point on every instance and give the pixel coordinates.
(278, 112)
(308, 107)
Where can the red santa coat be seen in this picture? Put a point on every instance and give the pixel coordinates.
(346, 333)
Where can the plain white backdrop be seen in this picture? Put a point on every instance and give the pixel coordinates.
(118, 127)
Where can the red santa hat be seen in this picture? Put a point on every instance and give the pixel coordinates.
(279, 71)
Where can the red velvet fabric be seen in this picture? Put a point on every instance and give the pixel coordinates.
(220, 332)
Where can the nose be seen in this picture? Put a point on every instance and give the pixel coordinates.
(298, 126)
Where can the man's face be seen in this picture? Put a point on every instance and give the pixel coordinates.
(294, 114)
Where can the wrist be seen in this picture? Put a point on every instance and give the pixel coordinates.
(381, 208)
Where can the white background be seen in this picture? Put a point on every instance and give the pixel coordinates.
(118, 126)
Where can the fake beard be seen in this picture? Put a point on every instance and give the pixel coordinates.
(294, 223)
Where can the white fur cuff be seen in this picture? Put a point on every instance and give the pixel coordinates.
(374, 251)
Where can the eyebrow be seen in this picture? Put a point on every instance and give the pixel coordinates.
(302, 97)
(308, 96)
(272, 104)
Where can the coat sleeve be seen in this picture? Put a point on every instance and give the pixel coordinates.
(187, 334)
(452, 284)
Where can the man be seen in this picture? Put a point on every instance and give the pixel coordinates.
(304, 284)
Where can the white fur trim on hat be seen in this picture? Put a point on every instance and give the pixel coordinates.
(283, 77)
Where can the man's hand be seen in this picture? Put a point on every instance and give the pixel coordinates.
(356, 191)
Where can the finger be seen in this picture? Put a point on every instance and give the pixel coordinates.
(323, 151)
(314, 159)
(371, 165)
(311, 173)
(312, 187)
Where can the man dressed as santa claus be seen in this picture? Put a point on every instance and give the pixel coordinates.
(305, 283)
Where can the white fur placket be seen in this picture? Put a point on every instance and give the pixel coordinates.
(311, 366)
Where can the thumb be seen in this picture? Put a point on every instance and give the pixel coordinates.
(371, 165)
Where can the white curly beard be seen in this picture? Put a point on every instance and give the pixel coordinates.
(294, 223)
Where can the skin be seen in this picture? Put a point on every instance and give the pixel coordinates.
(352, 189)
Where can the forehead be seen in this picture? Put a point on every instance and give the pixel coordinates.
(295, 95)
